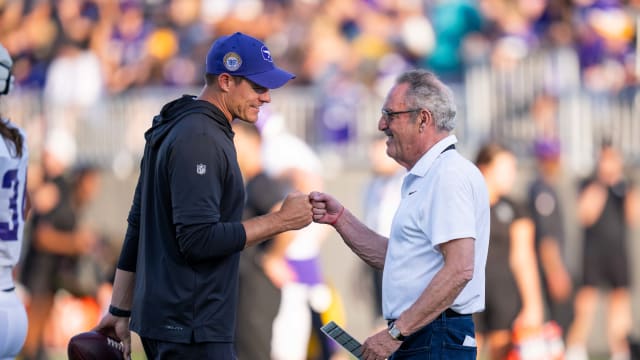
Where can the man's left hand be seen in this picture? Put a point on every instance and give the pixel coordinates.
(379, 346)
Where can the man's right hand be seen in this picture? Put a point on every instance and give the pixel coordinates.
(326, 209)
(296, 211)
(116, 328)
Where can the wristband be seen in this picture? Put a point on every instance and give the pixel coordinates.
(119, 312)
(337, 217)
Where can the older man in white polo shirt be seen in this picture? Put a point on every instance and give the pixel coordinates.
(433, 262)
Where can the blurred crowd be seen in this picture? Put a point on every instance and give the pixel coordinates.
(80, 50)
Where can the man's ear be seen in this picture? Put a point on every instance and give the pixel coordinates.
(224, 81)
(426, 118)
(423, 120)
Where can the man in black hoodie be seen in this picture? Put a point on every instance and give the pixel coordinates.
(177, 277)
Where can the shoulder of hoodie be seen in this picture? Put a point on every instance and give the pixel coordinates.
(203, 118)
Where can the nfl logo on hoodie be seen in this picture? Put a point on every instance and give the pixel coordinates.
(201, 169)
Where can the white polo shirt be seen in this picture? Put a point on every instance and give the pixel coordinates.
(444, 197)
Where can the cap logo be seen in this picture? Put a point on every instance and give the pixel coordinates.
(266, 54)
(232, 61)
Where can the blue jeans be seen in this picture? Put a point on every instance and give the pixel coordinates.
(442, 339)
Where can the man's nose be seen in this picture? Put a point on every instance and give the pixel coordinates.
(265, 97)
(383, 124)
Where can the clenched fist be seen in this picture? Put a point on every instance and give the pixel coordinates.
(296, 211)
(326, 209)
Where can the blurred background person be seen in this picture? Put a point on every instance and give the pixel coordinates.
(56, 237)
(122, 47)
(74, 79)
(73, 87)
(381, 199)
(49, 187)
(513, 295)
(263, 268)
(605, 42)
(457, 26)
(289, 158)
(14, 206)
(608, 205)
(84, 280)
(546, 211)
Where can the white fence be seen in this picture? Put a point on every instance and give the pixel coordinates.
(499, 106)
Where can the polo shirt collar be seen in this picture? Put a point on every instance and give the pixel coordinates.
(424, 164)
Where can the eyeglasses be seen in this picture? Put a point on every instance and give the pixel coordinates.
(388, 115)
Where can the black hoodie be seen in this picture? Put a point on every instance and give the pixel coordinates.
(185, 232)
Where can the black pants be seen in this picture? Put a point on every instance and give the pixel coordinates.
(163, 350)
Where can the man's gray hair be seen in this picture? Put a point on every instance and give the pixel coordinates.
(428, 92)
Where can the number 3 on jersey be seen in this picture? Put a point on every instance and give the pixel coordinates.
(9, 230)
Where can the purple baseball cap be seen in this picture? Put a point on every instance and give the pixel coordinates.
(243, 55)
(546, 148)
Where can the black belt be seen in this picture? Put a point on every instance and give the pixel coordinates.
(451, 313)
(9, 289)
(447, 313)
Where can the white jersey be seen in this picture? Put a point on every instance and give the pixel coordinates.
(13, 179)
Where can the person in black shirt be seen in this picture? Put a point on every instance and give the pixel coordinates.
(56, 236)
(607, 206)
(263, 268)
(513, 299)
(177, 277)
(546, 212)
